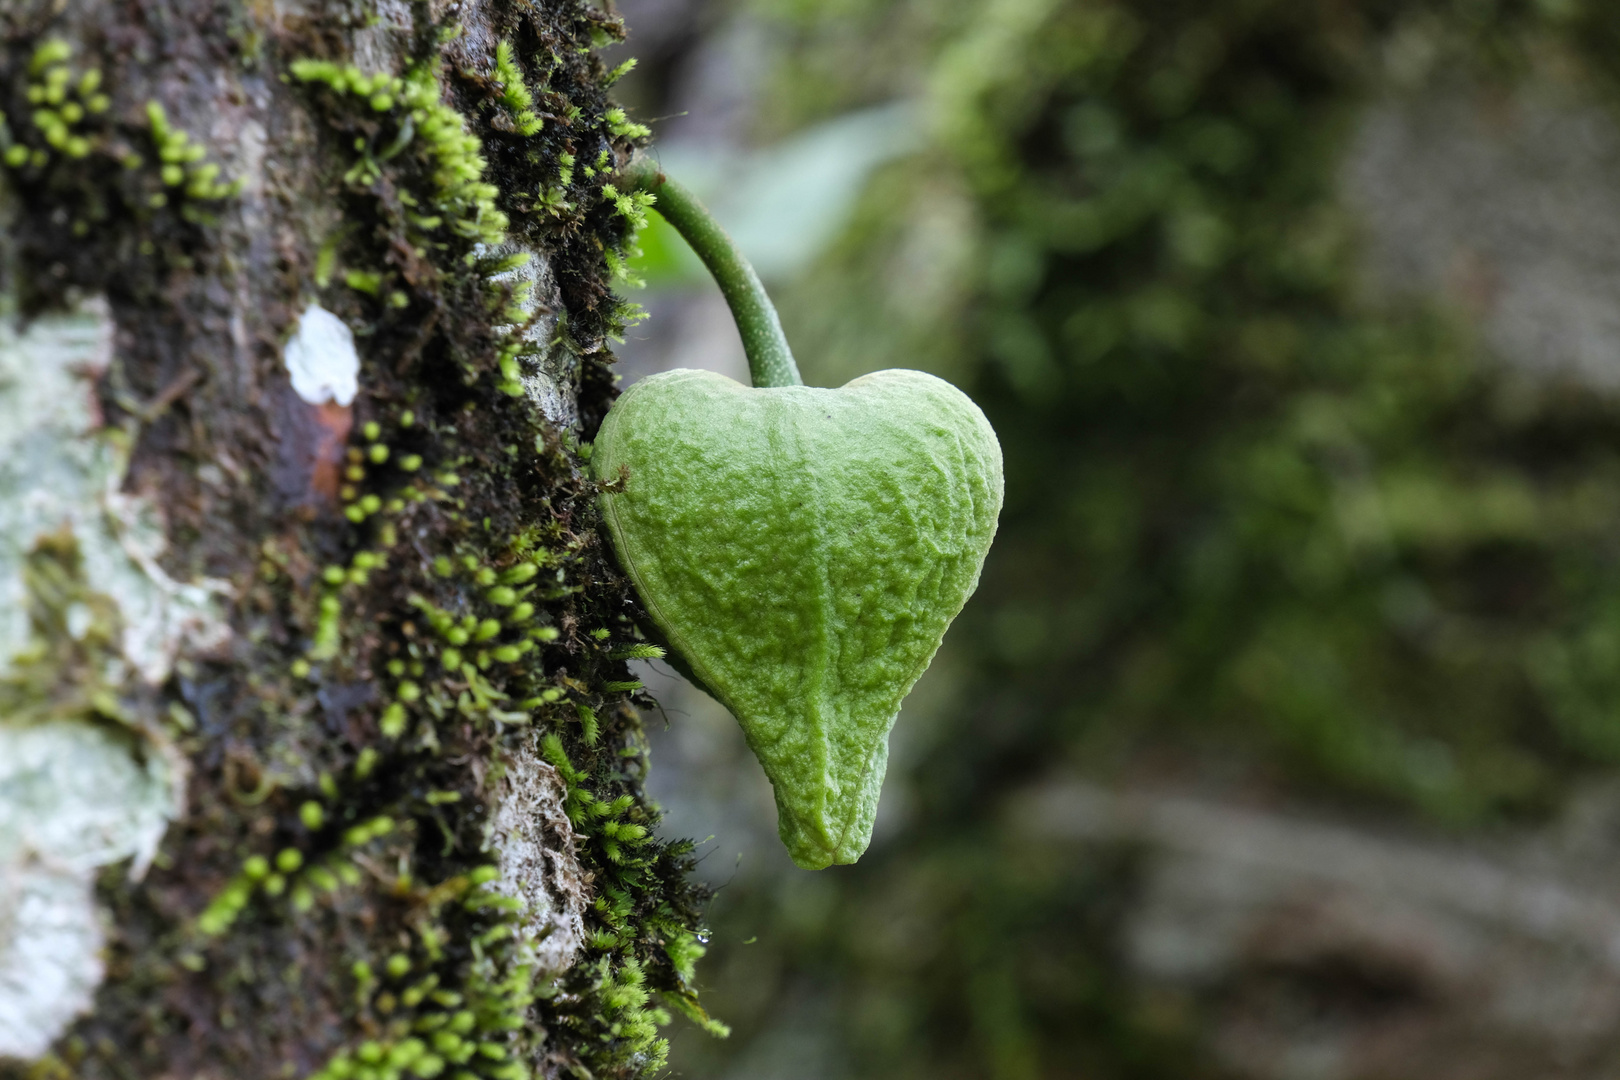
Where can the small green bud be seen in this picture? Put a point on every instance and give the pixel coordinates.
(502, 595)
(50, 51)
(443, 567)
(256, 867)
(411, 462)
(487, 629)
(407, 418)
(289, 860)
(378, 453)
(399, 965)
(275, 885)
(451, 659)
(520, 573)
(312, 814)
(392, 722)
(409, 691)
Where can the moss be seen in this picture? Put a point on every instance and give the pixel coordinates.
(71, 142)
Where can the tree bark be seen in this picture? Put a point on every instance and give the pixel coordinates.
(317, 756)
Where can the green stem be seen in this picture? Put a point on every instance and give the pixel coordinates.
(770, 361)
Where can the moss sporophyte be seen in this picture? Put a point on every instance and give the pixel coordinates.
(803, 550)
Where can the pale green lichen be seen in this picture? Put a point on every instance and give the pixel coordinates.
(74, 796)
(86, 615)
(57, 471)
(534, 845)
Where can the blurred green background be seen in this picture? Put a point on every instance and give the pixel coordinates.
(1299, 321)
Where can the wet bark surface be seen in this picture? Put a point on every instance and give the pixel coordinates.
(391, 598)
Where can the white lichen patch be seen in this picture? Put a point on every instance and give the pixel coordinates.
(50, 956)
(74, 796)
(58, 471)
(321, 359)
(51, 475)
(534, 847)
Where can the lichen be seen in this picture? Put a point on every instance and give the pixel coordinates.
(74, 796)
(53, 477)
(86, 779)
(534, 846)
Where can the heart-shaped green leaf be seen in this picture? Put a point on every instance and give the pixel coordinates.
(803, 551)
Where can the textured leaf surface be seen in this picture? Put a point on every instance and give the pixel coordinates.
(804, 550)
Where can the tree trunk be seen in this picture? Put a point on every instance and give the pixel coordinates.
(316, 750)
